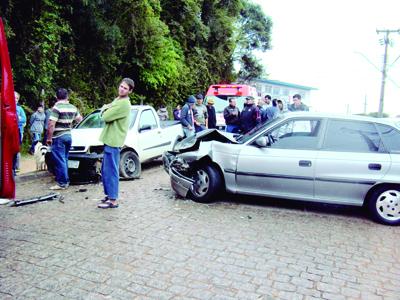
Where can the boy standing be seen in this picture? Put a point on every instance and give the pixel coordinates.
(116, 117)
(37, 124)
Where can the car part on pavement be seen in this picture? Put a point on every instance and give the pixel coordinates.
(49, 197)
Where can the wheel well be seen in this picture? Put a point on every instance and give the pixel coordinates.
(374, 188)
(206, 160)
(129, 149)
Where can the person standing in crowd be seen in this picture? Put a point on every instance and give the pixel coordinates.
(63, 114)
(47, 114)
(37, 124)
(177, 113)
(21, 125)
(162, 113)
(272, 112)
(280, 106)
(200, 114)
(232, 116)
(267, 101)
(116, 118)
(250, 116)
(262, 107)
(187, 118)
(212, 117)
(297, 105)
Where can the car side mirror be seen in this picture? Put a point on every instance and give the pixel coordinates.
(261, 142)
(145, 127)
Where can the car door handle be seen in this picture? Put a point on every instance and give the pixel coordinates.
(305, 163)
(375, 167)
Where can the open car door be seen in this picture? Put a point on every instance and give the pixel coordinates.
(9, 135)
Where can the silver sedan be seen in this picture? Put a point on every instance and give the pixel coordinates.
(349, 160)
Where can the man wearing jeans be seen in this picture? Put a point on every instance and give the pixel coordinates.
(116, 117)
(59, 136)
(187, 118)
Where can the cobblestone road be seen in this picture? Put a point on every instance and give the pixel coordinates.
(157, 247)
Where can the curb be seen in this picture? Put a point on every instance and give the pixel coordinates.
(31, 176)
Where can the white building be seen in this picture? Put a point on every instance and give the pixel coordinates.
(283, 90)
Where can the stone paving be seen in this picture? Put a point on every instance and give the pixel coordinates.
(155, 246)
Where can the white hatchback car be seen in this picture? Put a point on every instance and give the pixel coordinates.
(350, 160)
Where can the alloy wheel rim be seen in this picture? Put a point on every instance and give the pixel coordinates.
(388, 205)
(202, 184)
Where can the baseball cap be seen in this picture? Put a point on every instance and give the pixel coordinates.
(210, 101)
(191, 99)
(199, 96)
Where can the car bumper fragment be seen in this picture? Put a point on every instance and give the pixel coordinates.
(179, 183)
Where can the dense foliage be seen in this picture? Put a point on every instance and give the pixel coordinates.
(171, 48)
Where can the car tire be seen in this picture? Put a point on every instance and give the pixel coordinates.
(384, 204)
(129, 165)
(207, 184)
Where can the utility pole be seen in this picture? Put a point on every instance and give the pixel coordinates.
(365, 104)
(386, 42)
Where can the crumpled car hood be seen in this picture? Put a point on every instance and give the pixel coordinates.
(193, 143)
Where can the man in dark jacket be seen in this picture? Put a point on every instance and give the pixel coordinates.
(250, 115)
(212, 117)
(232, 117)
(187, 118)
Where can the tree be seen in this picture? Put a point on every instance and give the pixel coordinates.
(254, 34)
(170, 48)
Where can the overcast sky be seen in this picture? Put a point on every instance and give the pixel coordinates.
(326, 44)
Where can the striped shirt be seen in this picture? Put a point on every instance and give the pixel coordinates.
(63, 113)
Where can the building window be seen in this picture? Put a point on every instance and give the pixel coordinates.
(276, 91)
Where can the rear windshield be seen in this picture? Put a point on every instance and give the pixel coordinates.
(222, 101)
(94, 120)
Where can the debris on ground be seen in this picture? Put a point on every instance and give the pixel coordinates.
(162, 189)
(48, 197)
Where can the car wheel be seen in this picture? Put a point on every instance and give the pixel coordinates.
(384, 205)
(207, 184)
(129, 165)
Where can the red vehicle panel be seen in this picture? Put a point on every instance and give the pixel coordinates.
(221, 93)
(9, 126)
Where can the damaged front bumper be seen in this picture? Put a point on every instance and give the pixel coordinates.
(180, 183)
(174, 166)
(84, 167)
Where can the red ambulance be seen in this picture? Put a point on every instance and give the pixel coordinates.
(221, 93)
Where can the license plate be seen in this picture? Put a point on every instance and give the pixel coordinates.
(73, 164)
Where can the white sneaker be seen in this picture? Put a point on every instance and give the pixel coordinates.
(57, 187)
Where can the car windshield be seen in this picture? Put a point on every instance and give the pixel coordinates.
(222, 101)
(241, 139)
(94, 120)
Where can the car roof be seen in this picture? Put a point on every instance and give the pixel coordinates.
(388, 121)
